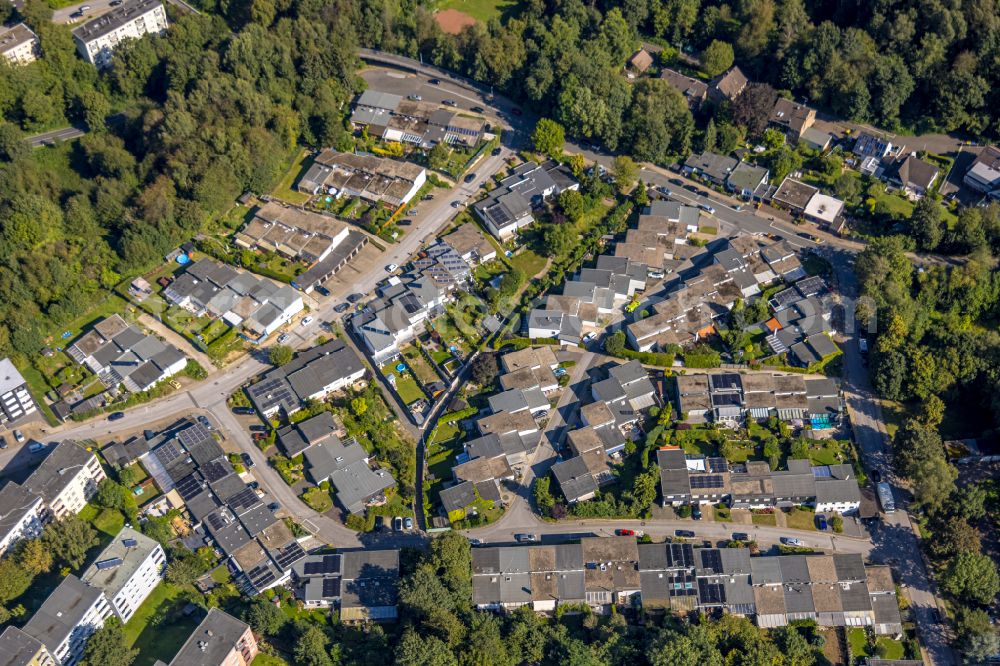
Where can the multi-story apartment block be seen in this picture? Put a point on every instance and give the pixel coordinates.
(21, 515)
(66, 479)
(133, 19)
(18, 44)
(19, 649)
(67, 619)
(15, 400)
(127, 571)
(220, 640)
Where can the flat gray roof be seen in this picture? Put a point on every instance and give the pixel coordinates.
(212, 640)
(131, 548)
(116, 18)
(62, 611)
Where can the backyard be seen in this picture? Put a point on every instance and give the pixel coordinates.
(159, 627)
(407, 388)
(529, 262)
(443, 445)
(419, 365)
(286, 188)
(886, 647)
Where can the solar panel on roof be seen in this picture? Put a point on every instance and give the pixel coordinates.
(243, 500)
(822, 472)
(706, 481)
(110, 563)
(711, 593)
(130, 543)
(712, 560)
(718, 465)
(216, 521)
(261, 576)
(290, 554)
(214, 470)
(168, 452)
(331, 587)
(328, 565)
(189, 487)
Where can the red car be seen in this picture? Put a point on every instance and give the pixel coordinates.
(625, 532)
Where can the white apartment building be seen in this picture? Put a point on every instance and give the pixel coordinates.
(15, 400)
(18, 44)
(133, 19)
(21, 515)
(66, 479)
(127, 571)
(67, 619)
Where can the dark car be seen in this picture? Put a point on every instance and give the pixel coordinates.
(435, 82)
(687, 534)
(354, 298)
(405, 222)
(496, 151)
(677, 181)
(876, 476)
(449, 102)
(3, 442)
(691, 188)
(202, 419)
(114, 416)
(258, 428)
(323, 291)
(696, 512)
(821, 522)
(341, 307)
(248, 411)
(469, 178)
(247, 460)
(478, 109)
(741, 536)
(273, 506)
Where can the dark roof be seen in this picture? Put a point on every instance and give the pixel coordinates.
(18, 648)
(47, 480)
(62, 611)
(213, 639)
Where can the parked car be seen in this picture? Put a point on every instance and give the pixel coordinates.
(741, 536)
(469, 178)
(686, 534)
(258, 428)
(408, 523)
(397, 523)
(257, 436)
(478, 109)
(456, 203)
(708, 209)
(696, 512)
(3, 442)
(496, 151)
(935, 616)
(390, 268)
(405, 222)
(36, 447)
(525, 538)
(876, 476)
(449, 102)
(354, 298)
(790, 541)
(307, 320)
(341, 307)
(282, 338)
(821, 522)
(85, 8)
(625, 532)
(274, 506)
(247, 460)
(202, 419)
(416, 98)
(435, 82)
(113, 416)
(590, 336)
(19, 436)
(427, 197)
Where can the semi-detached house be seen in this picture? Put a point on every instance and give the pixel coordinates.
(508, 208)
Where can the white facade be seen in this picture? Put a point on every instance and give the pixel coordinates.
(847, 508)
(15, 400)
(127, 571)
(28, 526)
(18, 44)
(97, 39)
(336, 385)
(80, 486)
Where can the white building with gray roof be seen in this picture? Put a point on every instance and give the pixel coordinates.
(16, 402)
(18, 44)
(67, 618)
(508, 208)
(66, 479)
(133, 19)
(22, 515)
(127, 570)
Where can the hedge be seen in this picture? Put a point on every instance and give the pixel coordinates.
(451, 417)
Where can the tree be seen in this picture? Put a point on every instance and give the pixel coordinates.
(544, 499)
(34, 556)
(971, 501)
(158, 528)
(977, 639)
(359, 406)
(559, 239)
(548, 137)
(484, 369)
(14, 580)
(710, 138)
(926, 225)
(311, 646)
(659, 125)
(953, 536)
(114, 495)
(614, 344)
(717, 58)
(264, 617)
(279, 355)
(107, 647)
(572, 204)
(438, 156)
(70, 539)
(752, 108)
(847, 187)
(972, 578)
(128, 476)
(184, 569)
(624, 170)
(426, 650)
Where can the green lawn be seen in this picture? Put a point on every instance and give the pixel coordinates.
(416, 361)
(318, 499)
(828, 452)
(286, 188)
(406, 386)
(442, 448)
(481, 10)
(158, 627)
(801, 519)
(888, 648)
(723, 514)
(764, 519)
(268, 660)
(697, 441)
(529, 262)
(107, 521)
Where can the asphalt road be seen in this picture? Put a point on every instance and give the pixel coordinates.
(55, 136)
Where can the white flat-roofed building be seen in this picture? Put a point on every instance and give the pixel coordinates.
(18, 44)
(133, 19)
(71, 613)
(15, 400)
(66, 479)
(127, 571)
(21, 515)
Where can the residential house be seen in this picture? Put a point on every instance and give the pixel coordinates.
(293, 233)
(869, 145)
(710, 166)
(983, 174)
(758, 396)
(816, 139)
(132, 19)
(18, 44)
(581, 476)
(507, 208)
(220, 640)
(122, 354)
(748, 181)
(460, 499)
(66, 479)
(375, 179)
(824, 210)
(67, 618)
(640, 62)
(443, 266)
(694, 91)
(791, 118)
(392, 118)
(16, 402)
(127, 570)
(728, 85)
(398, 315)
(627, 392)
(334, 262)
(470, 244)
(793, 195)
(22, 515)
(531, 367)
(312, 375)
(361, 584)
(20, 649)
(915, 176)
(694, 403)
(345, 465)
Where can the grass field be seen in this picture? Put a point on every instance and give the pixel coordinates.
(318, 500)
(406, 387)
(441, 451)
(801, 519)
(158, 627)
(888, 648)
(481, 10)
(767, 519)
(286, 188)
(268, 660)
(529, 262)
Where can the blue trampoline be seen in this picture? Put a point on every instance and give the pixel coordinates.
(401, 367)
(183, 259)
